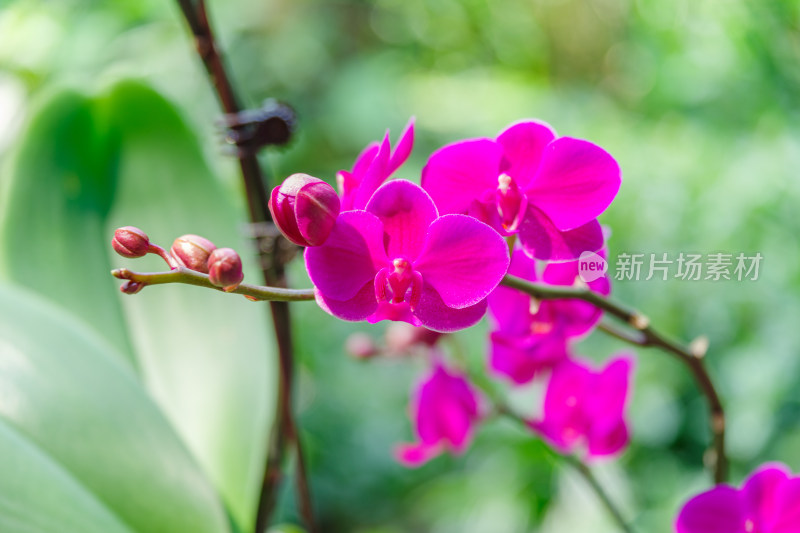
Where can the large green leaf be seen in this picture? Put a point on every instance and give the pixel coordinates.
(82, 446)
(88, 165)
(203, 353)
(53, 229)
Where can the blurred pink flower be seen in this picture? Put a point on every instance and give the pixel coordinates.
(399, 260)
(529, 336)
(445, 411)
(372, 167)
(548, 190)
(584, 407)
(768, 502)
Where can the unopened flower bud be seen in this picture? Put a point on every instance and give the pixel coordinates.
(360, 345)
(305, 209)
(131, 287)
(225, 269)
(192, 252)
(130, 242)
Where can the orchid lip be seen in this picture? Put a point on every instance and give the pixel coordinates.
(400, 277)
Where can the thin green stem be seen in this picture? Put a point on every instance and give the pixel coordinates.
(191, 277)
(580, 467)
(645, 335)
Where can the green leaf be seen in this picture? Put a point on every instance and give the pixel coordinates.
(89, 165)
(82, 446)
(53, 234)
(203, 354)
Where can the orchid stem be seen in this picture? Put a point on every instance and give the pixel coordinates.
(646, 336)
(191, 277)
(580, 467)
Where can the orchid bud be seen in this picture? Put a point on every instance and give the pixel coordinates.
(305, 209)
(131, 287)
(225, 269)
(192, 252)
(361, 346)
(130, 242)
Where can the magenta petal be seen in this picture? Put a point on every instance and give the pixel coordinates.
(350, 257)
(607, 438)
(788, 508)
(406, 211)
(435, 315)
(611, 389)
(522, 358)
(717, 511)
(398, 312)
(364, 160)
(403, 149)
(415, 455)
(459, 173)
(577, 180)
(510, 308)
(375, 175)
(760, 493)
(463, 260)
(357, 308)
(446, 409)
(542, 240)
(523, 145)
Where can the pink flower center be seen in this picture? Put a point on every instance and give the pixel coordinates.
(749, 526)
(511, 203)
(399, 283)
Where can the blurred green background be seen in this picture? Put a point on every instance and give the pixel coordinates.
(699, 101)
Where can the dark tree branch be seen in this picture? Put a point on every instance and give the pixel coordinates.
(273, 270)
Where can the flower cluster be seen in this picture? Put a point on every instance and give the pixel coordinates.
(433, 257)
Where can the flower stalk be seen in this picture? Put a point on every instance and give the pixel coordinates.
(646, 336)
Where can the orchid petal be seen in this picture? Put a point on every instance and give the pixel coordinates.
(760, 493)
(357, 308)
(577, 180)
(434, 314)
(406, 211)
(463, 259)
(523, 145)
(611, 389)
(349, 258)
(607, 438)
(788, 508)
(510, 308)
(458, 173)
(398, 312)
(374, 176)
(542, 240)
(716, 511)
(522, 358)
(403, 149)
(415, 455)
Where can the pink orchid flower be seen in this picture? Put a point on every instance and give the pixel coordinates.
(372, 167)
(400, 260)
(445, 411)
(585, 407)
(528, 337)
(548, 190)
(768, 502)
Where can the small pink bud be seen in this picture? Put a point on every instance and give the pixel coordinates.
(360, 345)
(130, 242)
(192, 252)
(225, 269)
(305, 209)
(131, 287)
